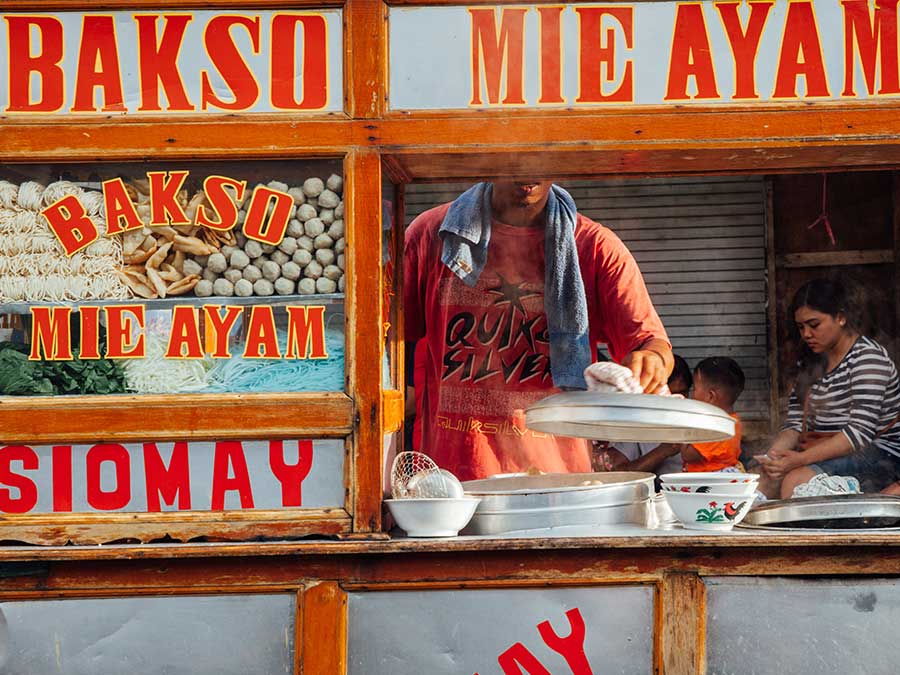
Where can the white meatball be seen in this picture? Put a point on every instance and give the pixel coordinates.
(279, 257)
(239, 259)
(328, 199)
(209, 275)
(271, 270)
(288, 245)
(217, 263)
(278, 185)
(252, 273)
(295, 229)
(284, 286)
(323, 241)
(223, 287)
(341, 284)
(191, 267)
(332, 272)
(325, 256)
(253, 249)
(243, 288)
(297, 194)
(336, 231)
(335, 183)
(306, 286)
(290, 270)
(339, 245)
(313, 270)
(312, 187)
(325, 285)
(302, 257)
(233, 275)
(326, 216)
(314, 227)
(306, 212)
(306, 243)
(204, 288)
(340, 261)
(339, 210)
(263, 287)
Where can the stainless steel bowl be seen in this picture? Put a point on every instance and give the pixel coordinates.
(553, 500)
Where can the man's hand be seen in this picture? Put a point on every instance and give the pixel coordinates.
(649, 368)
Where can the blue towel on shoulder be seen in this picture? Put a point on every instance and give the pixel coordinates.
(466, 233)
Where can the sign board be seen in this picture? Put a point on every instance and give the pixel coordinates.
(502, 631)
(172, 62)
(156, 476)
(642, 53)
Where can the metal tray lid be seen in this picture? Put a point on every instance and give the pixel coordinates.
(833, 513)
(629, 417)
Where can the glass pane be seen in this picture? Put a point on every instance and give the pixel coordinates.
(174, 278)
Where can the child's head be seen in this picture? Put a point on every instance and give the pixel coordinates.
(680, 381)
(719, 381)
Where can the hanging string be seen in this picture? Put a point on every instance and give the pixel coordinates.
(823, 216)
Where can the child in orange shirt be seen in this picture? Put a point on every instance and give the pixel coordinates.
(717, 381)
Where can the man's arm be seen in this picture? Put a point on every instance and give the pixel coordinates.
(653, 459)
(651, 364)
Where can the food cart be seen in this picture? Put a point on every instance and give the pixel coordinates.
(198, 492)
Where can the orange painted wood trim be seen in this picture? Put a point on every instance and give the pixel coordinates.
(174, 417)
(323, 648)
(365, 349)
(365, 58)
(681, 608)
(392, 410)
(180, 5)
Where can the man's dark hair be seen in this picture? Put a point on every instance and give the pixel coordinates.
(723, 373)
(682, 371)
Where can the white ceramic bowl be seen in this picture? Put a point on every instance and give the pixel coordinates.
(432, 517)
(720, 488)
(708, 478)
(708, 511)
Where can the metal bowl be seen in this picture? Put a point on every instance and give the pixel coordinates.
(629, 417)
(553, 500)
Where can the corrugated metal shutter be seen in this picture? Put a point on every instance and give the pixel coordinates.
(700, 243)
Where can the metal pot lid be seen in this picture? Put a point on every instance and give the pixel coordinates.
(629, 418)
(553, 482)
(836, 512)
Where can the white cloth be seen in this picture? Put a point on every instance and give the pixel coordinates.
(608, 377)
(823, 484)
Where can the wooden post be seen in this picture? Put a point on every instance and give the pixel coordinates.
(323, 630)
(365, 340)
(683, 624)
(365, 58)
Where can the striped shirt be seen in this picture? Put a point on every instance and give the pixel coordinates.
(859, 398)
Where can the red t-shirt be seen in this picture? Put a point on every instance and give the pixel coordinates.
(485, 349)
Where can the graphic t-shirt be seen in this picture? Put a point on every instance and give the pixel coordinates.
(486, 348)
(719, 454)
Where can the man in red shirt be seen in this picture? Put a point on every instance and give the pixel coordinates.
(484, 348)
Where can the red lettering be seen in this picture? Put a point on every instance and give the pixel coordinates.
(256, 224)
(51, 333)
(185, 334)
(22, 64)
(744, 43)
(801, 54)
(27, 496)
(594, 55)
(517, 657)
(262, 337)
(158, 59)
(229, 63)
(551, 55)
(874, 38)
(509, 46)
(169, 482)
(223, 204)
(691, 56)
(228, 454)
(120, 324)
(306, 332)
(571, 648)
(118, 497)
(291, 476)
(221, 327)
(121, 214)
(71, 224)
(165, 208)
(284, 60)
(89, 316)
(98, 66)
(62, 478)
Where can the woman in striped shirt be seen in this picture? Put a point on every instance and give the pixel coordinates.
(843, 409)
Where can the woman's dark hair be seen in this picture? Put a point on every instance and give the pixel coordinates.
(832, 296)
